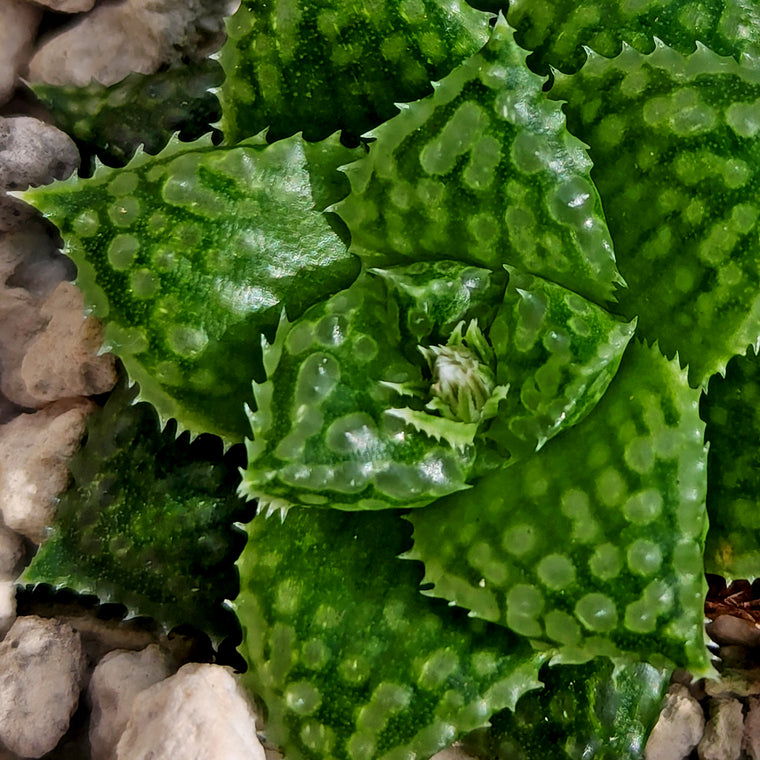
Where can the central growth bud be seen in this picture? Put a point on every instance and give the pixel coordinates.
(463, 380)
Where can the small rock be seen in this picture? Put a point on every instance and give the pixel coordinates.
(118, 678)
(42, 674)
(18, 26)
(7, 608)
(67, 6)
(751, 740)
(34, 153)
(200, 712)
(728, 630)
(136, 35)
(722, 739)
(734, 683)
(62, 361)
(679, 728)
(34, 449)
(12, 553)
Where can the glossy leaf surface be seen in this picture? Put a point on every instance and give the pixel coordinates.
(594, 544)
(147, 521)
(337, 64)
(597, 710)
(483, 171)
(350, 660)
(190, 255)
(675, 147)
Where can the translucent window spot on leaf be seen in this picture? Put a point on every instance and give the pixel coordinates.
(643, 507)
(437, 668)
(86, 224)
(354, 434)
(440, 155)
(144, 283)
(186, 341)
(354, 669)
(639, 455)
(606, 562)
(562, 628)
(128, 340)
(640, 617)
(122, 251)
(124, 183)
(164, 259)
(610, 487)
(524, 605)
(556, 571)
(300, 337)
(315, 654)
(317, 377)
(644, 557)
(302, 697)
(519, 540)
(124, 212)
(744, 118)
(597, 612)
(317, 737)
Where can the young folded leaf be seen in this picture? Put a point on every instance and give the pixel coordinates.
(337, 64)
(594, 544)
(483, 171)
(351, 662)
(190, 255)
(674, 141)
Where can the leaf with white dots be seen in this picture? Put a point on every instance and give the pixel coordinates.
(190, 255)
(675, 146)
(594, 544)
(483, 171)
(558, 30)
(319, 67)
(328, 429)
(142, 109)
(598, 710)
(351, 662)
(148, 520)
(730, 409)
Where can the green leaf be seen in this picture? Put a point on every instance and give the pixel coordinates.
(594, 544)
(483, 171)
(557, 352)
(730, 410)
(597, 710)
(338, 64)
(140, 110)
(188, 256)
(675, 148)
(325, 432)
(147, 521)
(350, 660)
(557, 30)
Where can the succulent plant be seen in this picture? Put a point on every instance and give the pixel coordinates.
(476, 355)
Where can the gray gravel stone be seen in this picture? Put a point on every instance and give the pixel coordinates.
(722, 739)
(42, 670)
(679, 728)
(18, 25)
(751, 740)
(66, 6)
(118, 678)
(199, 712)
(728, 630)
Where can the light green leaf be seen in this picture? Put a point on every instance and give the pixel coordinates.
(674, 143)
(190, 255)
(483, 171)
(351, 662)
(593, 544)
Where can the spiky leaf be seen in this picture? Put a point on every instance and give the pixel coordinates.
(337, 64)
(731, 410)
(675, 147)
(593, 544)
(140, 110)
(188, 256)
(147, 521)
(597, 710)
(483, 171)
(351, 662)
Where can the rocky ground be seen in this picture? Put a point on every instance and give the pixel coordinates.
(76, 679)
